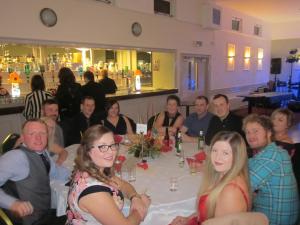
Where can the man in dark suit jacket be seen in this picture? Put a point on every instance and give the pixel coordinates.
(224, 119)
(82, 121)
(95, 90)
(109, 86)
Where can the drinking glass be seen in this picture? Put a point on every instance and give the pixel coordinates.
(192, 167)
(173, 184)
(132, 174)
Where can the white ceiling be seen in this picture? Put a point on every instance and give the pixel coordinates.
(268, 10)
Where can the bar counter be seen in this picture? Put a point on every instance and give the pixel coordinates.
(13, 106)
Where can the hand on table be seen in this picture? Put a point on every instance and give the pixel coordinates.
(141, 205)
(180, 220)
(21, 208)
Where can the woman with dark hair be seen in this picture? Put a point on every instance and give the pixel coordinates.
(117, 123)
(170, 118)
(68, 94)
(282, 120)
(35, 99)
(96, 196)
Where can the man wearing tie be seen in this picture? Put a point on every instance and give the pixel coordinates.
(25, 175)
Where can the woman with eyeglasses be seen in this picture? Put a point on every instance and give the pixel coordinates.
(96, 196)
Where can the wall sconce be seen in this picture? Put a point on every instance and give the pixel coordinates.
(230, 56)
(260, 56)
(247, 56)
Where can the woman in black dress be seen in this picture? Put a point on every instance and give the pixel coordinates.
(117, 123)
(170, 118)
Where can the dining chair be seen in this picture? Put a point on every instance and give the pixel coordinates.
(4, 218)
(9, 142)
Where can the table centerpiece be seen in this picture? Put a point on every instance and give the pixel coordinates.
(146, 146)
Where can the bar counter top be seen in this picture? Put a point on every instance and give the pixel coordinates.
(13, 106)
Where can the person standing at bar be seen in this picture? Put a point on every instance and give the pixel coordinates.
(95, 90)
(109, 86)
(35, 99)
(68, 94)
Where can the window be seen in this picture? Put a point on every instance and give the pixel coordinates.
(216, 16)
(236, 24)
(257, 30)
(164, 7)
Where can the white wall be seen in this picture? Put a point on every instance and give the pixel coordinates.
(93, 23)
(239, 77)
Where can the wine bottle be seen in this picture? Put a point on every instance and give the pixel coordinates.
(201, 140)
(167, 137)
(179, 144)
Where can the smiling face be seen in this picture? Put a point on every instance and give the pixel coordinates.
(280, 123)
(114, 110)
(222, 156)
(257, 136)
(221, 107)
(103, 159)
(35, 136)
(172, 107)
(51, 110)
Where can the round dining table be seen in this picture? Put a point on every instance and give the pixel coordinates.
(154, 181)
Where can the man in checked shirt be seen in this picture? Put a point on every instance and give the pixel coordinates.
(271, 174)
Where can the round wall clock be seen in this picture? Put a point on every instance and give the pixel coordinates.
(136, 29)
(48, 17)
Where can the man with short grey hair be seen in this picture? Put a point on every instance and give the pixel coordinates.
(25, 175)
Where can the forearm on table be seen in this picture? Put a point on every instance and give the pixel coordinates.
(134, 217)
(128, 190)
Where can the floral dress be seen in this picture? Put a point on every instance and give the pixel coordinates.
(82, 185)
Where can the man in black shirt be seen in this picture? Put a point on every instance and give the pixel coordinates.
(109, 86)
(95, 90)
(82, 121)
(224, 119)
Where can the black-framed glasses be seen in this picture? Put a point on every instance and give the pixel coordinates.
(104, 148)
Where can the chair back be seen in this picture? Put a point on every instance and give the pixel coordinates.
(9, 142)
(4, 218)
(151, 121)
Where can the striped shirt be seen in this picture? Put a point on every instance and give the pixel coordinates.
(33, 104)
(272, 176)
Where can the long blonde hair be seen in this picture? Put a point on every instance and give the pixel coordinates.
(83, 161)
(213, 183)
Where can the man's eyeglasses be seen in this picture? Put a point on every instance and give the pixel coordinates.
(104, 148)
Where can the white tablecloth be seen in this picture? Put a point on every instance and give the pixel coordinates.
(155, 181)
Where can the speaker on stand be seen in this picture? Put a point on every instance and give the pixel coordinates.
(275, 69)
